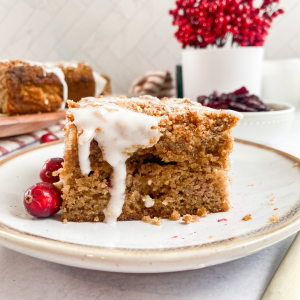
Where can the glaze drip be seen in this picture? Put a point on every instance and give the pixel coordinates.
(119, 133)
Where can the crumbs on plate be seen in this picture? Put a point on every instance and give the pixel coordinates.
(155, 220)
(296, 165)
(201, 212)
(187, 219)
(247, 218)
(175, 216)
(272, 201)
(274, 218)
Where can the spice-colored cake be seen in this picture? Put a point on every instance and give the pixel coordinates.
(130, 158)
(83, 81)
(30, 87)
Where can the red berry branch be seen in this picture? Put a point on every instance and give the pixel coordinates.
(211, 22)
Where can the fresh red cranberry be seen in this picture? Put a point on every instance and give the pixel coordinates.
(51, 165)
(48, 137)
(42, 200)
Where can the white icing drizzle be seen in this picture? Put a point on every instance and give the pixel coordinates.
(119, 132)
(149, 202)
(100, 83)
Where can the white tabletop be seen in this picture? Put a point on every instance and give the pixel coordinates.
(25, 277)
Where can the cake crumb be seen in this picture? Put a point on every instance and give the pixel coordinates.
(146, 219)
(190, 219)
(96, 219)
(195, 219)
(247, 218)
(187, 219)
(296, 165)
(59, 184)
(175, 216)
(155, 220)
(274, 218)
(65, 221)
(272, 201)
(212, 236)
(201, 212)
(275, 208)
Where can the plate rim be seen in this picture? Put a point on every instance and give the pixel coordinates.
(40, 246)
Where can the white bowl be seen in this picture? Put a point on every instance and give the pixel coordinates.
(265, 127)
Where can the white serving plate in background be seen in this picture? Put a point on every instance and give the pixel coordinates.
(259, 173)
(264, 127)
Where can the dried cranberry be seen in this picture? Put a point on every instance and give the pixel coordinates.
(241, 107)
(239, 100)
(241, 91)
(254, 103)
(201, 99)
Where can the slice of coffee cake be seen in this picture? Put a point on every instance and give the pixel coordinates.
(130, 158)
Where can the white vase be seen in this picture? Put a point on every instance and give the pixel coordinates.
(221, 70)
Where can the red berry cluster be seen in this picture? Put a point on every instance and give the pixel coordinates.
(211, 22)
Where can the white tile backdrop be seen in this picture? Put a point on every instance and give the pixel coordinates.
(122, 38)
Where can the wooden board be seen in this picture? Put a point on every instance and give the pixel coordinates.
(15, 125)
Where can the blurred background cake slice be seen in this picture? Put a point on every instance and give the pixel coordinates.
(32, 87)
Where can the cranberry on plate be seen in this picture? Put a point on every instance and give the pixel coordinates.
(42, 200)
(48, 137)
(51, 165)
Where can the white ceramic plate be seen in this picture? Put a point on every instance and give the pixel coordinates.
(259, 174)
